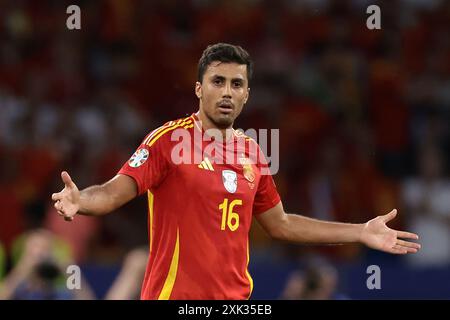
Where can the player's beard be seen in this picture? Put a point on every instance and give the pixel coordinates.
(222, 121)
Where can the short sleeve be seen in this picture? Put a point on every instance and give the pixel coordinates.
(267, 195)
(149, 165)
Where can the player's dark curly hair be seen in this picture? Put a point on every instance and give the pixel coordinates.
(224, 52)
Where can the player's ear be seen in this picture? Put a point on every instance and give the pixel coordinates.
(198, 89)
(247, 94)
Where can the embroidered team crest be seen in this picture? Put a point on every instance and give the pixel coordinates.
(248, 172)
(138, 158)
(229, 180)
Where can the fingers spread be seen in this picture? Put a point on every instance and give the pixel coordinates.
(58, 205)
(408, 244)
(56, 196)
(403, 250)
(66, 218)
(391, 215)
(410, 250)
(407, 235)
(66, 179)
(398, 250)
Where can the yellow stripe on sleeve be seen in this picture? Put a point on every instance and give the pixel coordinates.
(156, 131)
(160, 134)
(165, 126)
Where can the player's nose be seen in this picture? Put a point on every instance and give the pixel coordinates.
(226, 91)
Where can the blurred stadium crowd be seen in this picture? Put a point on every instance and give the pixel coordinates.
(363, 114)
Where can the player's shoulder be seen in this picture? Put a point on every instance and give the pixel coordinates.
(240, 135)
(162, 133)
(252, 148)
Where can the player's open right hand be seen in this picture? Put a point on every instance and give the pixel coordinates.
(67, 202)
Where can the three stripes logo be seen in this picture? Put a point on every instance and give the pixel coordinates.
(206, 164)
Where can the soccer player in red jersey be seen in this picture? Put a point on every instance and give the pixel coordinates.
(200, 212)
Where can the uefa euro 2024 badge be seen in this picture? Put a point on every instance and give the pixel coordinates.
(138, 158)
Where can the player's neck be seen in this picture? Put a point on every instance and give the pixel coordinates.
(206, 124)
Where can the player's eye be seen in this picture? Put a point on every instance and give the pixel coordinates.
(237, 84)
(217, 81)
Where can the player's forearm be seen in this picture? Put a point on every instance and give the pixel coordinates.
(96, 200)
(302, 229)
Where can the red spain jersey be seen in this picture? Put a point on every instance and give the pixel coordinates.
(200, 212)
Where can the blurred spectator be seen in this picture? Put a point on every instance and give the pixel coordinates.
(317, 281)
(427, 200)
(127, 285)
(12, 214)
(38, 273)
(2, 261)
(77, 235)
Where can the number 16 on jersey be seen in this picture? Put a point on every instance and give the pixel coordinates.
(229, 218)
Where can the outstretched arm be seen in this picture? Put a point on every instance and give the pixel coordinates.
(95, 200)
(374, 233)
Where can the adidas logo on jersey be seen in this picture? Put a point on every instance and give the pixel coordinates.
(206, 164)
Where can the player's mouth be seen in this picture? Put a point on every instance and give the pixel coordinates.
(225, 106)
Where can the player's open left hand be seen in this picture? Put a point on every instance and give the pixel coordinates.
(377, 235)
(67, 202)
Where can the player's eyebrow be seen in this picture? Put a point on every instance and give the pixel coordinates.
(218, 77)
(240, 80)
(222, 78)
